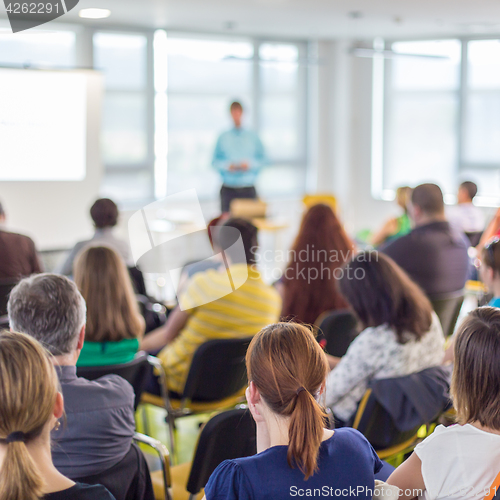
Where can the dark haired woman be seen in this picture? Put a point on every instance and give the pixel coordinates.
(462, 461)
(308, 285)
(287, 370)
(402, 334)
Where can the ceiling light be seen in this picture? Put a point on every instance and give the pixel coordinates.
(94, 13)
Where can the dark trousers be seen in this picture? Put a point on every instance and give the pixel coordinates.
(228, 194)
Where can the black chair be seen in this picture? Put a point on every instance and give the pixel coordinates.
(4, 322)
(447, 307)
(336, 331)
(6, 286)
(129, 479)
(392, 410)
(137, 372)
(227, 435)
(474, 238)
(216, 380)
(137, 279)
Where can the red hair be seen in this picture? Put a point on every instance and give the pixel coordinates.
(311, 284)
(288, 367)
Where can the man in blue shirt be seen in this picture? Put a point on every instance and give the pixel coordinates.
(238, 156)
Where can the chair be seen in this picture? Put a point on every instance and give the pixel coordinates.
(137, 372)
(4, 322)
(474, 238)
(130, 479)
(227, 435)
(137, 279)
(393, 410)
(447, 307)
(6, 286)
(336, 331)
(216, 380)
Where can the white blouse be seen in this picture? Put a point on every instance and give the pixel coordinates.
(374, 354)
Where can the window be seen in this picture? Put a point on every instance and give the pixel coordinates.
(126, 143)
(39, 49)
(204, 75)
(442, 116)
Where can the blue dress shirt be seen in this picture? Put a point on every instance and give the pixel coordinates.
(494, 302)
(239, 146)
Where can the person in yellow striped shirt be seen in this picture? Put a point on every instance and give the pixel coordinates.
(233, 302)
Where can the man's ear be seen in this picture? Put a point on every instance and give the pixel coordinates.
(59, 406)
(253, 394)
(81, 339)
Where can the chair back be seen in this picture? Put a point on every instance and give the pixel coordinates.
(137, 279)
(228, 435)
(128, 479)
(137, 372)
(447, 307)
(337, 330)
(6, 287)
(474, 238)
(217, 371)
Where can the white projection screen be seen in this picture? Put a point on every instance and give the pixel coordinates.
(43, 125)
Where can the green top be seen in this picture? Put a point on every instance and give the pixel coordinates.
(404, 227)
(108, 353)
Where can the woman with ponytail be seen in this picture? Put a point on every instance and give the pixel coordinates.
(30, 407)
(296, 454)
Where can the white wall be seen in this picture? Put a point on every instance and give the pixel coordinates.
(55, 214)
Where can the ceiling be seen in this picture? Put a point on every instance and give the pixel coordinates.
(331, 19)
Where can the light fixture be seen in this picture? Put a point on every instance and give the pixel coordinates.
(94, 13)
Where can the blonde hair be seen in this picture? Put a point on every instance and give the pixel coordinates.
(288, 367)
(28, 391)
(112, 310)
(403, 196)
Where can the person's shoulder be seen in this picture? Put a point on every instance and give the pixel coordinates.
(17, 237)
(81, 491)
(398, 244)
(111, 389)
(229, 481)
(440, 437)
(349, 436)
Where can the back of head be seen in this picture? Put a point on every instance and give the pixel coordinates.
(470, 188)
(289, 368)
(380, 292)
(228, 235)
(112, 310)
(429, 198)
(236, 105)
(50, 308)
(2, 211)
(104, 213)
(475, 386)
(320, 248)
(490, 255)
(28, 391)
(403, 196)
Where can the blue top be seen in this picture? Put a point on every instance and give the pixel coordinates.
(494, 302)
(237, 146)
(346, 462)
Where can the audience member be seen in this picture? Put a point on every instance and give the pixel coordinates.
(397, 226)
(308, 285)
(492, 230)
(433, 254)
(461, 461)
(114, 322)
(104, 213)
(465, 216)
(18, 256)
(99, 414)
(295, 453)
(401, 335)
(490, 270)
(211, 308)
(31, 407)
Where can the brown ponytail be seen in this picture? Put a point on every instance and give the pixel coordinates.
(288, 367)
(28, 390)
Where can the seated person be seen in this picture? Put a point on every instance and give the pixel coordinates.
(461, 461)
(295, 452)
(309, 285)
(401, 335)
(104, 213)
(31, 407)
(18, 255)
(99, 414)
(433, 254)
(397, 226)
(465, 216)
(114, 322)
(490, 270)
(212, 308)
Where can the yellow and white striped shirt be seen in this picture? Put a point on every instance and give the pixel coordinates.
(224, 314)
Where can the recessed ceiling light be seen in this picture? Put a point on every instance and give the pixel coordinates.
(94, 13)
